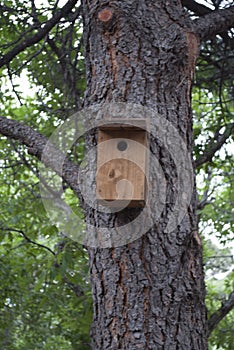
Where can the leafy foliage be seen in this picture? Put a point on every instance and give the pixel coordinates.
(222, 337)
(213, 114)
(45, 293)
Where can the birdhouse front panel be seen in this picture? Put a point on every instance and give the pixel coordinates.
(121, 166)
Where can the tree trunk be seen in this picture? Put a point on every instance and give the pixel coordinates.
(147, 294)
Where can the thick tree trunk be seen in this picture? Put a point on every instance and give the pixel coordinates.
(148, 294)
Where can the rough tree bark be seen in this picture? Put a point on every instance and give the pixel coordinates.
(148, 294)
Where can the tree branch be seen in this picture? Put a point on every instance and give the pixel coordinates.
(41, 33)
(28, 239)
(214, 145)
(215, 22)
(201, 10)
(217, 316)
(35, 142)
(76, 288)
(195, 7)
(204, 200)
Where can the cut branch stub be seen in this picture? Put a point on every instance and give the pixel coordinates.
(106, 19)
(105, 15)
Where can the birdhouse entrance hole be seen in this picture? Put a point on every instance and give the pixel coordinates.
(121, 165)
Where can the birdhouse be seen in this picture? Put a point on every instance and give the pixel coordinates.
(121, 165)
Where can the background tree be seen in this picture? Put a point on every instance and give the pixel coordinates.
(45, 44)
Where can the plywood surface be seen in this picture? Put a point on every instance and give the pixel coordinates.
(122, 165)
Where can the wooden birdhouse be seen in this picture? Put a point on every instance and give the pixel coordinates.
(122, 165)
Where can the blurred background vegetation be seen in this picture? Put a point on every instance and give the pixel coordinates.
(44, 283)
